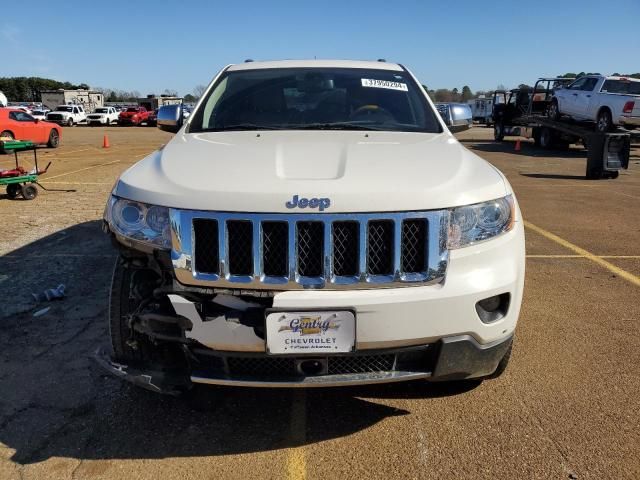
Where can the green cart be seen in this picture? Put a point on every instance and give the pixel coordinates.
(18, 180)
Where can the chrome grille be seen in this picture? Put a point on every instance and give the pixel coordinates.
(293, 251)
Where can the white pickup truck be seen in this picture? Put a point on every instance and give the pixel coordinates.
(312, 223)
(607, 101)
(103, 116)
(67, 115)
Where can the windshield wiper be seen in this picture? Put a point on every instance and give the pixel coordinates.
(241, 126)
(332, 126)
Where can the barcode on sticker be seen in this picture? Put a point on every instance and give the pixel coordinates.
(369, 82)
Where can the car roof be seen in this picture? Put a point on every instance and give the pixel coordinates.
(316, 64)
(622, 77)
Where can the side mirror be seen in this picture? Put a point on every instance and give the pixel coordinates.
(36, 120)
(170, 118)
(457, 116)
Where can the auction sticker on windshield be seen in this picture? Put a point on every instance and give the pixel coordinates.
(310, 332)
(369, 82)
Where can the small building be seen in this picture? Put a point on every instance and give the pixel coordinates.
(153, 102)
(89, 99)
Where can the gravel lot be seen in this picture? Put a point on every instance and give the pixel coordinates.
(567, 407)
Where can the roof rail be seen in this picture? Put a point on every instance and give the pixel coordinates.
(381, 60)
(248, 60)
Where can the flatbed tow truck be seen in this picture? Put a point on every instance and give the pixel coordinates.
(523, 112)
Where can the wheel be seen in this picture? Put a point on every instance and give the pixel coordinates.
(498, 131)
(129, 288)
(13, 190)
(54, 139)
(546, 138)
(502, 365)
(613, 175)
(536, 137)
(70, 122)
(29, 192)
(554, 110)
(604, 123)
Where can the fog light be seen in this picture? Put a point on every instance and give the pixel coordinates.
(493, 308)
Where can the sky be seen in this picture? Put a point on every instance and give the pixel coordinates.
(150, 46)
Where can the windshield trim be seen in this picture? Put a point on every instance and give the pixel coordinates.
(422, 99)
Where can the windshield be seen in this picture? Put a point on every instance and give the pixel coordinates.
(64, 109)
(315, 98)
(101, 110)
(132, 109)
(38, 112)
(625, 87)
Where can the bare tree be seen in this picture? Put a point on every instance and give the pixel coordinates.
(199, 90)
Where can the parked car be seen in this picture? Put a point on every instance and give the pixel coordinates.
(133, 116)
(68, 115)
(3, 100)
(103, 116)
(19, 125)
(312, 223)
(39, 114)
(606, 100)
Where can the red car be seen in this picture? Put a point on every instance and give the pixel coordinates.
(133, 116)
(19, 125)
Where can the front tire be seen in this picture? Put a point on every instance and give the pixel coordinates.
(6, 135)
(554, 110)
(70, 122)
(498, 131)
(502, 365)
(604, 122)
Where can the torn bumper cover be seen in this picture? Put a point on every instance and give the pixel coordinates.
(156, 379)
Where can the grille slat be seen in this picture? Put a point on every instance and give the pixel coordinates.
(207, 259)
(380, 249)
(345, 248)
(275, 244)
(414, 236)
(240, 247)
(310, 249)
(274, 251)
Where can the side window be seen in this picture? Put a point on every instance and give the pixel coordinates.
(589, 85)
(20, 117)
(578, 84)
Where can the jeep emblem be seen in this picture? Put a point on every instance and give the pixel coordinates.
(319, 203)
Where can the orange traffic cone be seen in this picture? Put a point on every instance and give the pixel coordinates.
(105, 142)
(517, 145)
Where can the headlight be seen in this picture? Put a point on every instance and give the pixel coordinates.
(139, 221)
(474, 223)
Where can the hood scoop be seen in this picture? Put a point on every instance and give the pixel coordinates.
(311, 161)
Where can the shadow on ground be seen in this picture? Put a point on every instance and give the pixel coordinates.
(527, 148)
(56, 402)
(554, 176)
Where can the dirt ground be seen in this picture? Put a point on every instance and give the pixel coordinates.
(567, 407)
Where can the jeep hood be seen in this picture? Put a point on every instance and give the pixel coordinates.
(357, 171)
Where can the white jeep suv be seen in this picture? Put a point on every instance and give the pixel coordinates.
(313, 223)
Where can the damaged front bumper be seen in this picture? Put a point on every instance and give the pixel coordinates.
(451, 358)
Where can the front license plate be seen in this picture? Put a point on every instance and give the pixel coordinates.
(310, 332)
